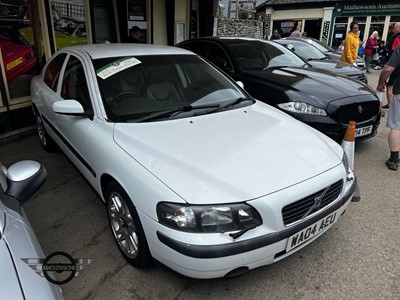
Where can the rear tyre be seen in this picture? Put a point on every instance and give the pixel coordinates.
(47, 142)
(126, 227)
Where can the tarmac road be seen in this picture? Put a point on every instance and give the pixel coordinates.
(358, 258)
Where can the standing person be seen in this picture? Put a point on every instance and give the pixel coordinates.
(275, 35)
(382, 52)
(391, 46)
(351, 44)
(134, 35)
(297, 32)
(393, 119)
(371, 47)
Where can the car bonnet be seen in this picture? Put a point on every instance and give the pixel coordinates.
(313, 86)
(228, 156)
(337, 67)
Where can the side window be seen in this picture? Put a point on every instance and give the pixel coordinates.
(74, 85)
(200, 48)
(218, 57)
(52, 72)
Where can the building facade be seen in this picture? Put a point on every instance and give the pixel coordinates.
(329, 21)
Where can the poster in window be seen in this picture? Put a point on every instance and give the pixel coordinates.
(137, 10)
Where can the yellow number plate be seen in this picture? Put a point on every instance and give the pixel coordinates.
(14, 63)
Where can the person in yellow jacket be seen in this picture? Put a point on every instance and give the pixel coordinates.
(351, 44)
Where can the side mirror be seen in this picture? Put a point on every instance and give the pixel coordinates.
(71, 108)
(24, 178)
(68, 107)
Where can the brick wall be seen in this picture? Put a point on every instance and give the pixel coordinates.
(246, 28)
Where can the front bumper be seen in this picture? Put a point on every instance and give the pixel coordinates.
(336, 130)
(200, 256)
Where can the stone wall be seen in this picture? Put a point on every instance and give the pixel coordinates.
(245, 28)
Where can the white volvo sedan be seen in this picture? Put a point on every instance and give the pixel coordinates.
(194, 172)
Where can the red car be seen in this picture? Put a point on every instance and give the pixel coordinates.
(18, 59)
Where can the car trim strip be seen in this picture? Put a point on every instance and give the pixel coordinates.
(70, 147)
(222, 250)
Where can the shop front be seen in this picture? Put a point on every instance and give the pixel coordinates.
(376, 16)
(329, 21)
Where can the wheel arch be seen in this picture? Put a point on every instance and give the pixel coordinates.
(105, 180)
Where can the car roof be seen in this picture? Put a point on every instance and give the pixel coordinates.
(226, 39)
(97, 51)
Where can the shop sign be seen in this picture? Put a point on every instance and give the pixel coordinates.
(367, 9)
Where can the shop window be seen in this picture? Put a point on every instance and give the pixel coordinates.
(377, 24)
(69, 24)
(360, 19)
(343, 20)
(394, 19)
(52, 72)
(378, 19)
(376, 27)
(339, 34)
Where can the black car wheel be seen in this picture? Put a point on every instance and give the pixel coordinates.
(126, 227)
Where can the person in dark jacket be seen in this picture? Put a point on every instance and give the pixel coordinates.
(275, 35)
(134, 35)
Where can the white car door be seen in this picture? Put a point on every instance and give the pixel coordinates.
(73, 130)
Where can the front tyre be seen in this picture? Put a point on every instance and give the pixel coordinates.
(126, 227)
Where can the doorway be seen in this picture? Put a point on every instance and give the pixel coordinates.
(313, 28)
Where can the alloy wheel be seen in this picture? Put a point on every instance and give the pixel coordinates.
(123, 225)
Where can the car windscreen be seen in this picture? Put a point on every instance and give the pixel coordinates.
(305, 50)
(134, 88)
(258, 55)
(321, 46)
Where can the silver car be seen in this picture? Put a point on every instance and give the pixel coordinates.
(17, 240)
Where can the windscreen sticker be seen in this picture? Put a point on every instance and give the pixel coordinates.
(117, 66)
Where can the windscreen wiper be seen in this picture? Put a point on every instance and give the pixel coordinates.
(184, 108)
(231, 103)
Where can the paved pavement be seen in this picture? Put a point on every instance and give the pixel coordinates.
(356, 259)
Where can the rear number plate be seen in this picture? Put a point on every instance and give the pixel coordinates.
(313, 230)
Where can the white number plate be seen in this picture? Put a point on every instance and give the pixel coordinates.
(311, 231)
(363, 131)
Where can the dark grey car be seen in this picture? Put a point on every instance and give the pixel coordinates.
(329, 51)
(320, 60)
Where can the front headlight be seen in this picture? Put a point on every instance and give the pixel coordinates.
(345, 162)
(302, 108)
(213, 218)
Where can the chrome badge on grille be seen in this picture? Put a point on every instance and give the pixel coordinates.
(360, 109)
(317, 203)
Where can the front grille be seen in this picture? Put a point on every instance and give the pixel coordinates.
(358, 112)
(295, 211)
